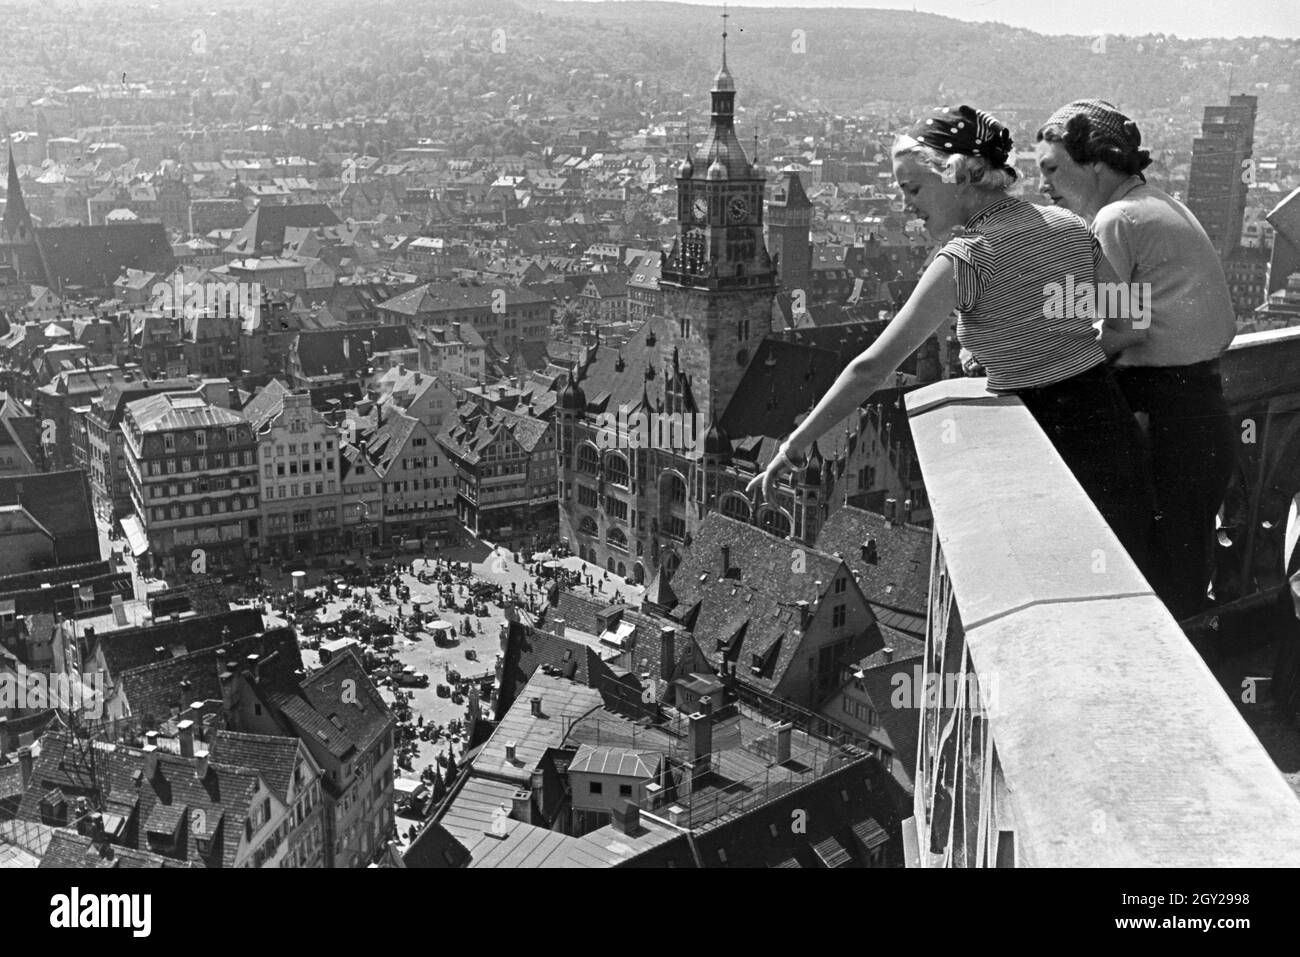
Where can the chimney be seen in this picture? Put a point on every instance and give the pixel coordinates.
(803, 613)
(201, 766)
(151, 738)
(667, 652)
(889, 654)
(25, 763)
(700, 740)
(726, 560)
(150, 761)
(557, 626)
(537, 707)
(783, 743)
(869, 553)
(628, 819)
(521, 806)
(891, 511)
(907, 510)
(510, 751)
(186, 729)
(675, 815)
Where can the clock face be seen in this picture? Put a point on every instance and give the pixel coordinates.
(737, 209)
(701, 208)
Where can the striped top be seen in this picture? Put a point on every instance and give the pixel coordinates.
(1011, 262)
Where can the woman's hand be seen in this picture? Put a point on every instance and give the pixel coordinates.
(969, 364)
(780, 464)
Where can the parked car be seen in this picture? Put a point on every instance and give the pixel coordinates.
(410, 678)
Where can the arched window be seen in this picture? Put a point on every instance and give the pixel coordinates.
(588, 460)
(588, 525)
(673, 488)
(616, 470)
(616, 538)
(735, 506)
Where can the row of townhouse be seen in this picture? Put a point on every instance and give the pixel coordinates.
(198, 485)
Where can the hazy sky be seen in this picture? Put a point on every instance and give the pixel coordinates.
(1186, 18)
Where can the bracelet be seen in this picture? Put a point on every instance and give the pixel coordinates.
(801, 462)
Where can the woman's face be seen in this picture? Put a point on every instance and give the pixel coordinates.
(928, 197)
(1075, 186)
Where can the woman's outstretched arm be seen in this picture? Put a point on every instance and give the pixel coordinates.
(931, 302)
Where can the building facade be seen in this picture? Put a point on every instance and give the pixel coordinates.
(193, 472)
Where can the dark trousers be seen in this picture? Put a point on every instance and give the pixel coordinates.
(1094, 431)
(1192, 445)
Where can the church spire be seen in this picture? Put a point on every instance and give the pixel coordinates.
(18, 221)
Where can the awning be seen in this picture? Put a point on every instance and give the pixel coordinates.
(135, 536)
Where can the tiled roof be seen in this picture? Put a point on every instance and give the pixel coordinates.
(266, 226)
(900, 577)
(272, 756)
(435, 846)
(364, 719)
(169, 799)
(321, 352)
(758, 608)
(137, 647)
(528, 649)
(153, 690)
(94, 256)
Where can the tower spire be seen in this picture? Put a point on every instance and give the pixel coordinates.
(18, 221)
(724, 35)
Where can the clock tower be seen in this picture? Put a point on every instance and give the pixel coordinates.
(718, 281)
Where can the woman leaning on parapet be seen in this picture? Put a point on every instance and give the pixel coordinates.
(1091, 160)
(999, 257)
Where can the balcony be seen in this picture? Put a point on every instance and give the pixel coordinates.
(1073, 722)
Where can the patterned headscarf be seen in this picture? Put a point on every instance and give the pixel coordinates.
(1105, 119)
(966, 130)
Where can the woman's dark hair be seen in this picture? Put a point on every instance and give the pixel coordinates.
(1084, 142)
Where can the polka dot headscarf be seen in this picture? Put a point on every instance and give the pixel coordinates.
(966, 130)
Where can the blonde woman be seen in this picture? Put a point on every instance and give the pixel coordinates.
(1000, 256)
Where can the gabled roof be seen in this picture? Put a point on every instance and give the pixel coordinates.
(359, 722)
(274, 757)
(94, 256)
(900, 577)
(174, 797)
(264, 229)
(155, 689)
(757, 609)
